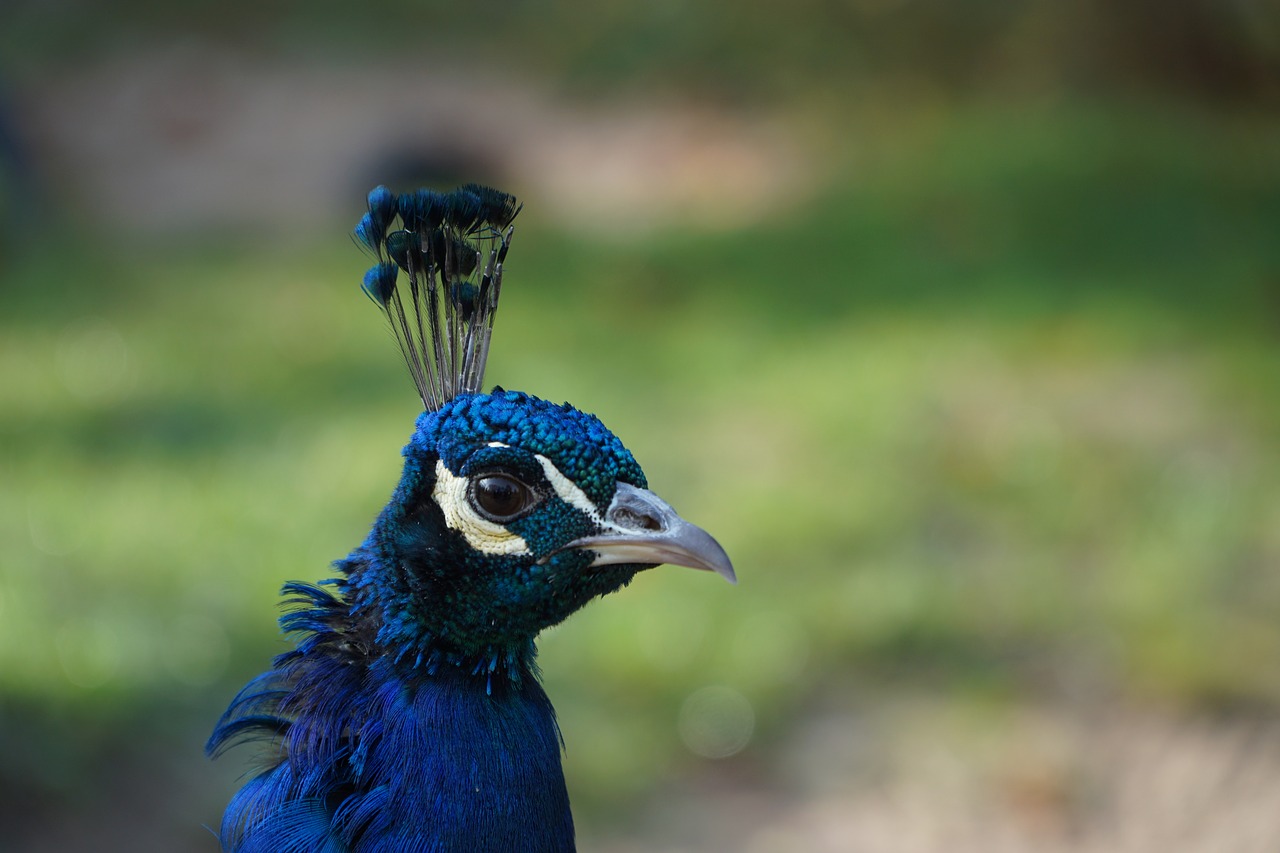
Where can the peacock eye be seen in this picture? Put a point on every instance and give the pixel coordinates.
(500, 497)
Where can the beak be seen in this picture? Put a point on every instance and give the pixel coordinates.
(641, 527)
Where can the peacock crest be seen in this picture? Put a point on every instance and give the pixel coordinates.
(450, 248)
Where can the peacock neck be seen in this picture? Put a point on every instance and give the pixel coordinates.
(459, 742)
(474, 764)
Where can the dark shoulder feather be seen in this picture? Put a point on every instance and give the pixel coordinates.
(303, 708)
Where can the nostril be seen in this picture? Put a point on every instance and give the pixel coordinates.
(627, 517)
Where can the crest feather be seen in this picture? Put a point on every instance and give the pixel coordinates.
(450, 247)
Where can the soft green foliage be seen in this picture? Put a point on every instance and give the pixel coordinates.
(738, 50)
(998, 413)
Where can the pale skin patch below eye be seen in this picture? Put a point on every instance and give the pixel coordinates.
(487, 537)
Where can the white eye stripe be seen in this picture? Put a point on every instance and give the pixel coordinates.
(487, 537)
(566, 490)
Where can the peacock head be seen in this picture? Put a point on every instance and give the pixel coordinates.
(513, 512)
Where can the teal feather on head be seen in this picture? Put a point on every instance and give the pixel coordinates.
(451, 246)
(380, 283)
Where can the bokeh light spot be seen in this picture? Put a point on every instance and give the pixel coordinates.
(53, 528)
(716, 722)
(197, 650)
(89, 651)
(93, 362)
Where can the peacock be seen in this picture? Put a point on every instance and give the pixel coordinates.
(409, 715)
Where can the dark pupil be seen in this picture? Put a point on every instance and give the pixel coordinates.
(500, 496)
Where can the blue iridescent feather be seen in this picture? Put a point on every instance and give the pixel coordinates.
(408, 717)
(398, 720)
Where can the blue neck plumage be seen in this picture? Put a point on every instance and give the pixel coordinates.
(467, 768)
(374, 757)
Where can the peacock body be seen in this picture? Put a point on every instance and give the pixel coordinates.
(409, 717)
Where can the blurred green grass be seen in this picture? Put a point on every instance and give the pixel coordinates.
(995, 413)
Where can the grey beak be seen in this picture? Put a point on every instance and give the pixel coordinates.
(641, 527)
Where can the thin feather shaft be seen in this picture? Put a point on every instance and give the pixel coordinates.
(452, 247)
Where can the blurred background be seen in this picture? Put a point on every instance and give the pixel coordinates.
(957, 323)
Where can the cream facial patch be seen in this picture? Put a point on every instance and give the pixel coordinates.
(487, 537)
(567, 491)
